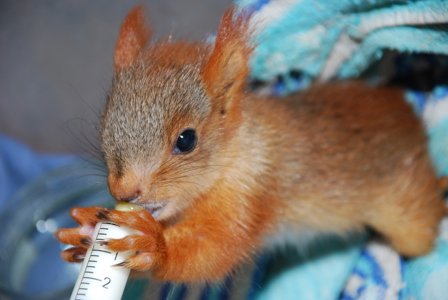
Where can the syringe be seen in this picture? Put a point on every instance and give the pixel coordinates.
(98, 278)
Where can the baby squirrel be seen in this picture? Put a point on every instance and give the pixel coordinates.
(223, 173)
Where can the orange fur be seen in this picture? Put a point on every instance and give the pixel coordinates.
(225, 72)
(133, 38)
(335, 158)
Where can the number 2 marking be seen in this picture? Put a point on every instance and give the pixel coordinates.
(104, 285)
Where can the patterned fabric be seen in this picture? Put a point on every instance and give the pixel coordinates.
(382, 274)
(340, 39)
(433, 108)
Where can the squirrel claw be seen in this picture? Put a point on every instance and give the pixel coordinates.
(122, 264)
(102, 243)
(141, 262)
(103, 215)
(75, 254)
(85, 241)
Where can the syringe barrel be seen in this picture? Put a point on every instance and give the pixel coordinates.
(98, 278)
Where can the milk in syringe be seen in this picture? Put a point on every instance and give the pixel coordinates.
(99, 278)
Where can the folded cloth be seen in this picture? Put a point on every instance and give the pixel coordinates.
(433, 108)
(328, 39)
(381, 274)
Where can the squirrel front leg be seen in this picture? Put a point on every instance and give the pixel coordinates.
(223, 229)
(80, 237)
(207, 245)
(204, 248)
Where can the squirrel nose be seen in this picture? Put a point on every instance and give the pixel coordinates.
(124, 189)
(126, 195)
(130, 197)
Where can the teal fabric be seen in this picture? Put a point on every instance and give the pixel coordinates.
(319, 272)
(427, 277)
(433, 109)
(341, 39)
(438, 145)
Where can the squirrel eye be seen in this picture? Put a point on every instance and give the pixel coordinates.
(186, 141)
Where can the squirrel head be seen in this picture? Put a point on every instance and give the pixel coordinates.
(173, 108)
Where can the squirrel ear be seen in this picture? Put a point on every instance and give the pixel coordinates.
(133, 38)
(226, 70)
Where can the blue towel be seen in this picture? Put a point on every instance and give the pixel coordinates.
(19, 165)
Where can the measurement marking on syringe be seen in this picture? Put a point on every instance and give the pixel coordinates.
(100, 250)
(90, 282)
(93, 278)
(111, 224)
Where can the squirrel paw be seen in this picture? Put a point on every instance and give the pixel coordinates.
(80, 236)
(149, 244)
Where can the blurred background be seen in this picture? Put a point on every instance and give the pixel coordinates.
(56, 62)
